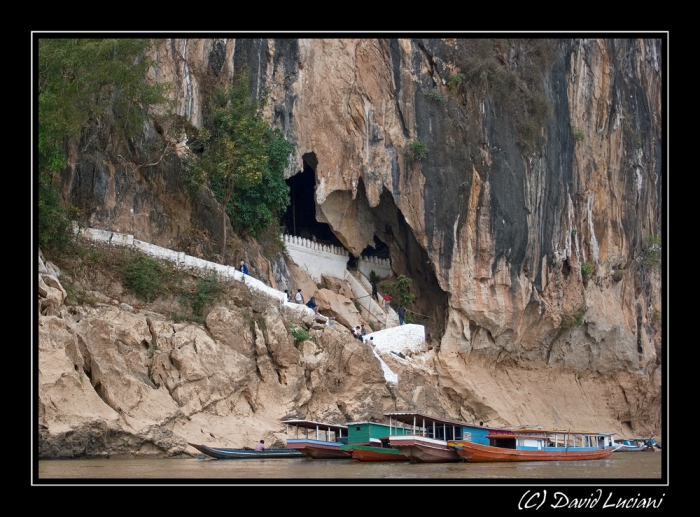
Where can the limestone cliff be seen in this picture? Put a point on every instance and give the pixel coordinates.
(540, 157)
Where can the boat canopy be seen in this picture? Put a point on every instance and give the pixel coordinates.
(419, 419)
(321, 426)
(339, 431)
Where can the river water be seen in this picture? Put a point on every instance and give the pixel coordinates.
(645, 467)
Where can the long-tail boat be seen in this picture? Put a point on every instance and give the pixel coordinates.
(223, 453)
(635, 445)
(534, 445)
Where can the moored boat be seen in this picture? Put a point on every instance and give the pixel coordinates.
(424, 439)
(223, 453)
(369, 441)
(510, 445)
(369, 453)
(634, 445)
(324, 443)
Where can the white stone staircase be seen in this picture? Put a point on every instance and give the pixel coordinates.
(372, 309)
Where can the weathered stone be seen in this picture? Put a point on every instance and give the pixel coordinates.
(340, 307)
(492, 225)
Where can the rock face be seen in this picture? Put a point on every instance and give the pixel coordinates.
(493, 170)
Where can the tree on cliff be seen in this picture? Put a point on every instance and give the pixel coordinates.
(84, 86)
(256, 208)
(232, 153)
(401, 291)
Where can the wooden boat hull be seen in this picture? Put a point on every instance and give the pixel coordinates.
(478, 453)
(318, 449)
(419, 449)
(369, 453)
(319, 453)
(222, 453)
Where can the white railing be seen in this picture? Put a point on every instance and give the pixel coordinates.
(382, 267)
(315, 246)
(194, 265)
(318, 259)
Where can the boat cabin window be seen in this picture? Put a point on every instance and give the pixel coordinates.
(504, 443)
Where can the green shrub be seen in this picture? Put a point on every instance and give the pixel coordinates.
(55, 231)
(586, 268)
(401, 290)
(455, 82)
(575, 319)
(206, 292)
(652, 252)
(434, 95)
(144, 276)
(416, 151)
(618, 275)
(579, 135)
(299, 334)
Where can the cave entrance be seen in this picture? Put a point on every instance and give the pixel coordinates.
(300, 216)
(379, 250)
(395, 238)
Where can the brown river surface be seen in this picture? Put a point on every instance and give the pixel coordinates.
(645, 467)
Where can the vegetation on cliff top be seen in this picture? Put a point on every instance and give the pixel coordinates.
(230, 152)
(85, 85)
(94, 92)
(510, 71)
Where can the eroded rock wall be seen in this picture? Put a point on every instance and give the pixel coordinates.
(545, 157)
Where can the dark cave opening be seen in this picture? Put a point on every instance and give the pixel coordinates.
(300, 216)
(393, 239)
(379, 250)
(409, 258)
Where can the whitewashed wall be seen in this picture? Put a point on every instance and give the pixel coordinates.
(382, 267)
(316, 258)
(194, 265)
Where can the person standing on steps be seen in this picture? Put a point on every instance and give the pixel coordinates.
(243, 268)
(299, 298)
(286, 295)
(387, 299)
(401, 311)
(375, 294)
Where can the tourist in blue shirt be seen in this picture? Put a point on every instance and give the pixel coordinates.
(312, 305)
(243, 269)
(401, 311)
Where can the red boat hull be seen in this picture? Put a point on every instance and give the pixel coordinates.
(477, 453)
(424, 450)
